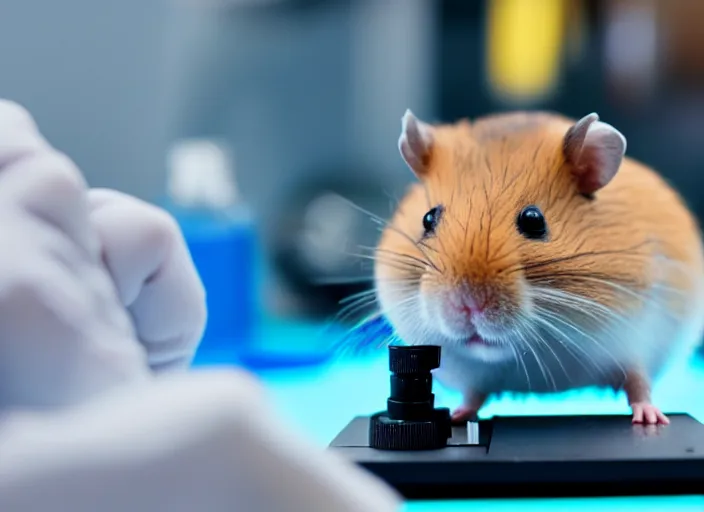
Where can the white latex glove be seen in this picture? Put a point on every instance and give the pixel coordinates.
(97, 291)
(64, 335)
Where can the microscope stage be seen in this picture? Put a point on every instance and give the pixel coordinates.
(543, 456)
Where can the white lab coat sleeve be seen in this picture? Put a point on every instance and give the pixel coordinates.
(185, 442)
(146, 254)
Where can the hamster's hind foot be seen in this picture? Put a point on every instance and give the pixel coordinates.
(637, 388)
(647, 413)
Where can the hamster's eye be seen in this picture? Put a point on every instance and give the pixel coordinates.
(531, 223)
(431, 219)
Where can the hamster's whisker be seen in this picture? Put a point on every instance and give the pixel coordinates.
(568, 302)
(535, 333)
(405, 285)
(626, 290)
(605, 317)
(391, 256)
(339, 280)
(581, 332)
(397, 263)
(371, 215)
(352, 308)
(409, 315)
(428, 259)
(573, 348)
(544, 370)
(422, 243)
(564, 277)
(569, 343)
(408, 269)
(359, 279)
(358, 295)
(646, 299)
(571, 302)
(564, 298)
(522, 363)
(423, 264)
(420, 261)
(347, 342)
(631, 251)
(585, 306)
(388, 225)
(373, 291)
(393, 200)
(356, 302)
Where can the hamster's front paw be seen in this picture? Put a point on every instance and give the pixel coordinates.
(468, 411)
(647, 413)
(464, 414)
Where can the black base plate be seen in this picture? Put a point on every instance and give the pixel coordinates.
(543, 456)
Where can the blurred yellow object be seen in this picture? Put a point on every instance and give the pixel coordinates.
(525, 40)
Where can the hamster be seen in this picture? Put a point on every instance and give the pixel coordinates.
(540, 258)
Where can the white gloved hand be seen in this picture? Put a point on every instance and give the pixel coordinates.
(64, 335)
(74, 260)
(187, 442)
(97, 291)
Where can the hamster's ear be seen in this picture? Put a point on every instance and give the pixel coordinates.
(415, 143)
(595, 151)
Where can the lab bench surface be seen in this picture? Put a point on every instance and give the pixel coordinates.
(319, 401)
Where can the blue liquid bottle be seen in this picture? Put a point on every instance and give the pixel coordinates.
(221, 235)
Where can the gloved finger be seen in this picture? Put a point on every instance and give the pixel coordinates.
(147, 256)
(19, 136)
(39, 179)
(184, 442)
(64, 336)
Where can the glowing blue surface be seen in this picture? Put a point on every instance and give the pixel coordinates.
(320, 401)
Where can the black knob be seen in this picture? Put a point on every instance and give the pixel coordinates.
(417, 360)
(411, 421)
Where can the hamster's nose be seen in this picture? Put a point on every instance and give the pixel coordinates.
(467, 310)
(466, 304)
